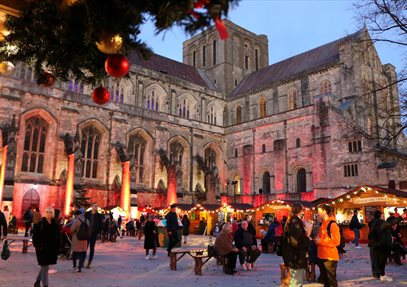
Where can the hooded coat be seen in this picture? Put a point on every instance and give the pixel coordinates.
(46, 239)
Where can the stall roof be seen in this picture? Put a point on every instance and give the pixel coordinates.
(185, 206)
(306, 204)
(241, 206)
(395, 192)
(211, 207)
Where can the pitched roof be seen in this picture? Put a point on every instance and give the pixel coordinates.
(172, 68)
(317, 58)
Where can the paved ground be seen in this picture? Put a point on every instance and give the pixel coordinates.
(123, 264)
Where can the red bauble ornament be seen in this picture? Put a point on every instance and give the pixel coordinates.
(220, 26)
(117, 65)
(49, 79)
(100, 95)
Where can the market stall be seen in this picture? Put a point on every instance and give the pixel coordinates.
(266, 213)
(367, 199)
(203, 218)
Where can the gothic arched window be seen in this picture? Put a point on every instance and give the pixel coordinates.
(236, 184)
(292, 96)
(266, 182)
(136, 149)
(183, 109)
(90, 149)
(301, 180)
(152, 101)
(262, 107)
(238, 115)
(34, 145)
(325, 87)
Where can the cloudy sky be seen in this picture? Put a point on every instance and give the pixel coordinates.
(292, 27)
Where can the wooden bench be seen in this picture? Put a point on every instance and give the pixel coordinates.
(200, 257)
(15, 238)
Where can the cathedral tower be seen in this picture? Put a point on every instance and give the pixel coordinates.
(226, 62)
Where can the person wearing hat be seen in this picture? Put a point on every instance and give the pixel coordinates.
(96, 224)
(172, 228)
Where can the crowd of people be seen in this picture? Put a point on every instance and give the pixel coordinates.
(299, 242)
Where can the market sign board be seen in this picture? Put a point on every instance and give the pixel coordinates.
(382, 199)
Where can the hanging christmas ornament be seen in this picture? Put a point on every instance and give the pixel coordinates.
(100, 95)
(220, 26)
(48, 79)
(6, 68)
(117, 65)
(109, 43)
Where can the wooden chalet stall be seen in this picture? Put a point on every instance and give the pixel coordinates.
(367, 199)
(266, 213)
(203, 218)
(238, 211)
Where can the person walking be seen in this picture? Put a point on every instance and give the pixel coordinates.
(172, 228)
(46, 238)
(224, 247)
(6, 213)
(3, 226)
(79, 246)
(355, 225)
(295, 246)
(28, 219)
(185, 227)
(328, 239)
(150, 235)
(380, 244)
(96, 224)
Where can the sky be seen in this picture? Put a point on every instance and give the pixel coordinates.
(292, 27)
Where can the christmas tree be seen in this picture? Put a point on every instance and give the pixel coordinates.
(71, 39)
(80, 199)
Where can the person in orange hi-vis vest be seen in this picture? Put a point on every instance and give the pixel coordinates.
(328, 239)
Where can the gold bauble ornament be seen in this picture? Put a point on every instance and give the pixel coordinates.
(109, 43)
(6, 68)
(65, 4)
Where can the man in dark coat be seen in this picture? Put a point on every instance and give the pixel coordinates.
(28, 219)
(246, 242)
(96, 225)
(224, 247)
(3, 226)
(295, 246)
(355, 226)
(150, 235)
(172, 228)
(380, 243)
(46, 238)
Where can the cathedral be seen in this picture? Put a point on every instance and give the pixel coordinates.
(224, 126)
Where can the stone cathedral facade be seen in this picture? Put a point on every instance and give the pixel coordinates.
(223, 126)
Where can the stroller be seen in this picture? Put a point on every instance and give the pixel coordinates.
(65, 245)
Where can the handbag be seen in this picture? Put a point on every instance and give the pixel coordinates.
(5, 252)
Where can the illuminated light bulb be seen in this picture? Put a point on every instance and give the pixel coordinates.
(6, 68)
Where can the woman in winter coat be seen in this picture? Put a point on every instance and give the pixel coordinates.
(185, 229)
(46, 238)
(150, 235)
(78, 246)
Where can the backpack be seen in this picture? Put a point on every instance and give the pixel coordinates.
(5, 252)
(328, 230)
(278, 231)
(83, 231)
